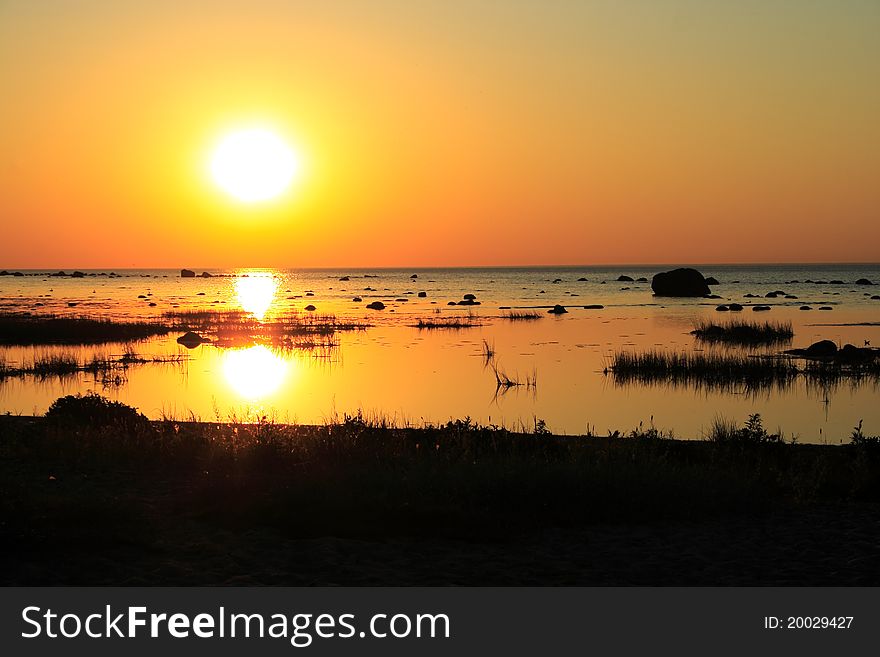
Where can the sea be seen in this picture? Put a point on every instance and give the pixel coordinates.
(559, 367)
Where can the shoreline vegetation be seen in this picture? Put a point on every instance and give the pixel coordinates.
(227, 328)
(744, 333)
(134, 500)
(729, 372)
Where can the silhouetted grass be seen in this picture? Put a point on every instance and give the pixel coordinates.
(522, 315)
(448, 323)
(723, 372)
(232, 328)
(25, 329)
(94, 477)
(744, 332)
(108, 370)
(726, 372)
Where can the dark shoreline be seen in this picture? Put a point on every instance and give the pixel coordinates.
(130, 501)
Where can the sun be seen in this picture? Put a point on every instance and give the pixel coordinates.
(254, 165)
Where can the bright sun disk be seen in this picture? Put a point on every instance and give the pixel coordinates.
(254, 165)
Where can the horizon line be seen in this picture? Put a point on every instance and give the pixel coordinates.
(53, 268)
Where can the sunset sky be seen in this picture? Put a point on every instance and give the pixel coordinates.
(442, 133)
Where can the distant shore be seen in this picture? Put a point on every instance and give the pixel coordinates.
(96, 494)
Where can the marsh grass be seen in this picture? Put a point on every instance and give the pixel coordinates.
(25, 329)
(730, 372)
(713, 371)
(522, 315)
(751, 432)
(117, 479)
(232, 328)
(505, 381)
(455, 323)
(105, 369)
(741, 332)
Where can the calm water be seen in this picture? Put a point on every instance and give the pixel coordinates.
(396, 370)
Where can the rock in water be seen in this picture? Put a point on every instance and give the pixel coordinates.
(557, 310)
(191, 340)
(821, 349)
(684, 282)
(711, 280)
(863, 281)
(187, 273)
(376, 305)
(624, 278)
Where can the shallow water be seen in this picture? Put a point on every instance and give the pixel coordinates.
(395, 370)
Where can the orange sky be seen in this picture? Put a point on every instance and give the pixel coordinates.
(435, 133)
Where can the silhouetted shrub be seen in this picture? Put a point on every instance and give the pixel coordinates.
(92, 409)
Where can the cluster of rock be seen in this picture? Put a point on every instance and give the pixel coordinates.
(827, 350)
(189, 273)
(467, 300)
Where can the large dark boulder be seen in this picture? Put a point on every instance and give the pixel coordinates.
(864, 281)
(821, 349)
(711, 280)
(187, 273)
(684, 282)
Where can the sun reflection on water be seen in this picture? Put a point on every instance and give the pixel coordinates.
(255, 372)
(256, 293)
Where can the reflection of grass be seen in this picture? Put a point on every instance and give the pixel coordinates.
(504, 381)
(726, 372)
(236, 328)
(108, 370)
(152, 490)
(711, 370)
(744, 332)
(20, 329)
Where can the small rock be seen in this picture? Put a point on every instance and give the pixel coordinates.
(376, 305)
(187, 273)
(722, 308)
(191, 340)
(310, 308)
(557, 310)
(422, 295)
(735, 306)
